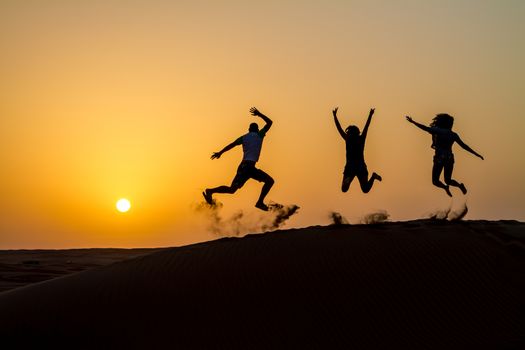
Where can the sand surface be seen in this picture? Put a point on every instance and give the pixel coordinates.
(19, 268)
(413, 285)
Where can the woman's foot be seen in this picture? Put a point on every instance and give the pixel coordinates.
(377, 177)
(447, 189)
(463, 188)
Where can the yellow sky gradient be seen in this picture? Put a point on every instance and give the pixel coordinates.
(107, 99)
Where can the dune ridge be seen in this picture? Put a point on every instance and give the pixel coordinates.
(422, 284)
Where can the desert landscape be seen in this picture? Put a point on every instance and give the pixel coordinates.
(262, 175)
(424, 284)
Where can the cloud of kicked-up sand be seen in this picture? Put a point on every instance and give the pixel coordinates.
(449, 214)
(375, 218)
(280, 214)
(241, 223)
(440, 214)
(459, 214)
(338, 219)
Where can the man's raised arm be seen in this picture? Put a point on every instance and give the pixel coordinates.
(255, 112)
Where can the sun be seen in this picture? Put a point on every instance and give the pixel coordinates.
(123, 205)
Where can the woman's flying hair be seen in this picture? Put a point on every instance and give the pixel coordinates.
(443, 121)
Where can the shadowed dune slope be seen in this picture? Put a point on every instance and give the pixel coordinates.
(421, 285)
(19, 268)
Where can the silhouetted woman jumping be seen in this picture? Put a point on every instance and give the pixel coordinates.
(442, 140)
(355, 160)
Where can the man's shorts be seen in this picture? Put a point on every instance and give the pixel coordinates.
(247, 170)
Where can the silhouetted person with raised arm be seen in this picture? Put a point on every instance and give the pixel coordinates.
(251, 146)
(442, 140)
(355, 159)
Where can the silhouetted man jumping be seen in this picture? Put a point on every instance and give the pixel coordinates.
(355, 159)
(251, 146)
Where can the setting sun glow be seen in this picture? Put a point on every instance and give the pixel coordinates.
(123, 205)
(107, 102)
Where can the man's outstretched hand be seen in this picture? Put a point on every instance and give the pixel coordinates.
(254, 111)
(372, 110)
(334, 112)
(216, 155)
(409, 119)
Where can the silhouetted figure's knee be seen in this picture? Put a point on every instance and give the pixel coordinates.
(437, 183)
(345, 185)
(268, 183)
(366, 184)
(366, 187)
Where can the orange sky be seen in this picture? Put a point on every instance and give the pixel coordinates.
(107, 99)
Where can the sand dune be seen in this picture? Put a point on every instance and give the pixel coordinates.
(416, 285)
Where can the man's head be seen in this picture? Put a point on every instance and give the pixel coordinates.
(254, 127)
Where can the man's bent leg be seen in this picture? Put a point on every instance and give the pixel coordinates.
(265, 189)
(221, 189)
(268, 181)
(238, 181)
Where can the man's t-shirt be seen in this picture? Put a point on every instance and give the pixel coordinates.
(252, 144)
